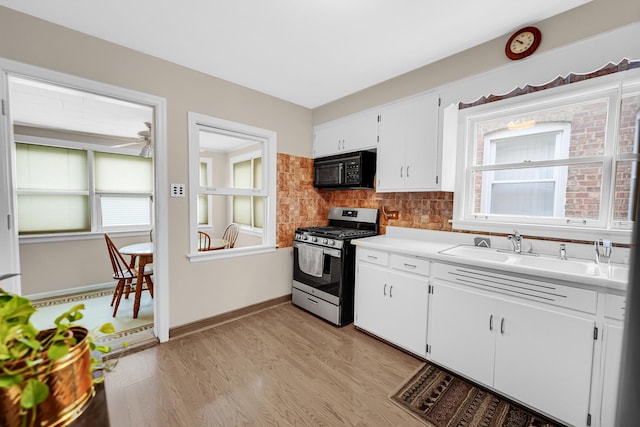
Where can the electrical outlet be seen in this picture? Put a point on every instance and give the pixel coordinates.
(177, 190)
(392, 214)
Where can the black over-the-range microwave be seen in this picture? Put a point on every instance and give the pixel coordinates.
(350, 170)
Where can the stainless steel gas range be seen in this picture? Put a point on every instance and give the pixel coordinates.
(324, 263)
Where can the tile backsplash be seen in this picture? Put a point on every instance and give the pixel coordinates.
(300, 204)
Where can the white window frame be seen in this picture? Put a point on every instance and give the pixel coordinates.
(612, 87)
(95, 211)
(563, 136)
(198, 122)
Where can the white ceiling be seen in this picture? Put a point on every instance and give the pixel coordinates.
(308, 52)
(39, 104)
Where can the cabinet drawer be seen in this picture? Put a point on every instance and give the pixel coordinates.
(372, 256)
(410, 264)
(615, 306)
(531, 289)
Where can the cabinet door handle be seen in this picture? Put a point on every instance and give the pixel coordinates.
(390, 289)
(407, 171)
(372, 257)
(502, 325)
(491, 322)
(384, 290)
(401, 167)
(409, 265)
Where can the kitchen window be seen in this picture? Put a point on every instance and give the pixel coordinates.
(233, 178)
(556, 163)
(536, 191)
(63, 189)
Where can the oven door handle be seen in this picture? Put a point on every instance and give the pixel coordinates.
(335, 253)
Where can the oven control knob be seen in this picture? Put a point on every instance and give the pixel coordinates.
(297, 236)
(331, 242)
(325, 241)
(303, 236)
(313, 239)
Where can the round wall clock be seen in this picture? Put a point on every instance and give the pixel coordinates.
(523, 43)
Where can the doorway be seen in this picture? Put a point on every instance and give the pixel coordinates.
(52, 113)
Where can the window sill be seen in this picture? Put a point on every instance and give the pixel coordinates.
(548, 231)
(66, 237)
(229, 253)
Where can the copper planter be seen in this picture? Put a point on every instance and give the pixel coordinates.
(70, 389)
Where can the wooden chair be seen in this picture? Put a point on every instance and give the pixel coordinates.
(230, 235)
(204, 241)
(125, 274)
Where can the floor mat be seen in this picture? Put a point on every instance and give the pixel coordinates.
(442, 399)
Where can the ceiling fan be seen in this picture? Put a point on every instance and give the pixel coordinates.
(143, 136)
(146, 137)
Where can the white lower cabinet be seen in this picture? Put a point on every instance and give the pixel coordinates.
(541, 357)
(551, 346)
(390, 303)
(612, 355)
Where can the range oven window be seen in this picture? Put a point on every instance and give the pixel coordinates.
(329, 282)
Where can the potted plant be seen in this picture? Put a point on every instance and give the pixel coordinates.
(46, 377)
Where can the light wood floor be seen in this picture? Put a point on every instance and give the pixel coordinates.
(279, 367)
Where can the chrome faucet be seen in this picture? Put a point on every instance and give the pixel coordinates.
(516, 241)
(563, 252)
(603, 250)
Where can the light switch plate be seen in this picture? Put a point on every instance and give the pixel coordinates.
(177, 190)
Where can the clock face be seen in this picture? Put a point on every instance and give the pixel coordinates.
(523, 43)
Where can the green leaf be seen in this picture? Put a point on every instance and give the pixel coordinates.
(34, 362)
(103, 348)
(31, 343)
(107, 328)
(34, 393)
(10, 380)
(57, 350)
(72, 315)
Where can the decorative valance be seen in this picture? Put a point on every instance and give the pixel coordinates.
(610, 68)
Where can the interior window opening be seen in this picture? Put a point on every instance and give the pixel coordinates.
(234, 186)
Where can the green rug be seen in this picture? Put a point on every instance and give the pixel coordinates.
(442, 399)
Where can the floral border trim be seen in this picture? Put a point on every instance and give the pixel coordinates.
(47, 302)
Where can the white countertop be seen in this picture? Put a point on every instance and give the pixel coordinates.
(429, 244)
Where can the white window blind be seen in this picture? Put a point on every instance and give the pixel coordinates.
(123, 187)
(58, 188)
(52, 189)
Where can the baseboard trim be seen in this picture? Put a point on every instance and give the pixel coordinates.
(229, 316)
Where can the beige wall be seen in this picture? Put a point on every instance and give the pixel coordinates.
(197, 290)
(200, 290)
(583, 22)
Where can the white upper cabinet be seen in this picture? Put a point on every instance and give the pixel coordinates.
(408, 145)
(352, 133)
